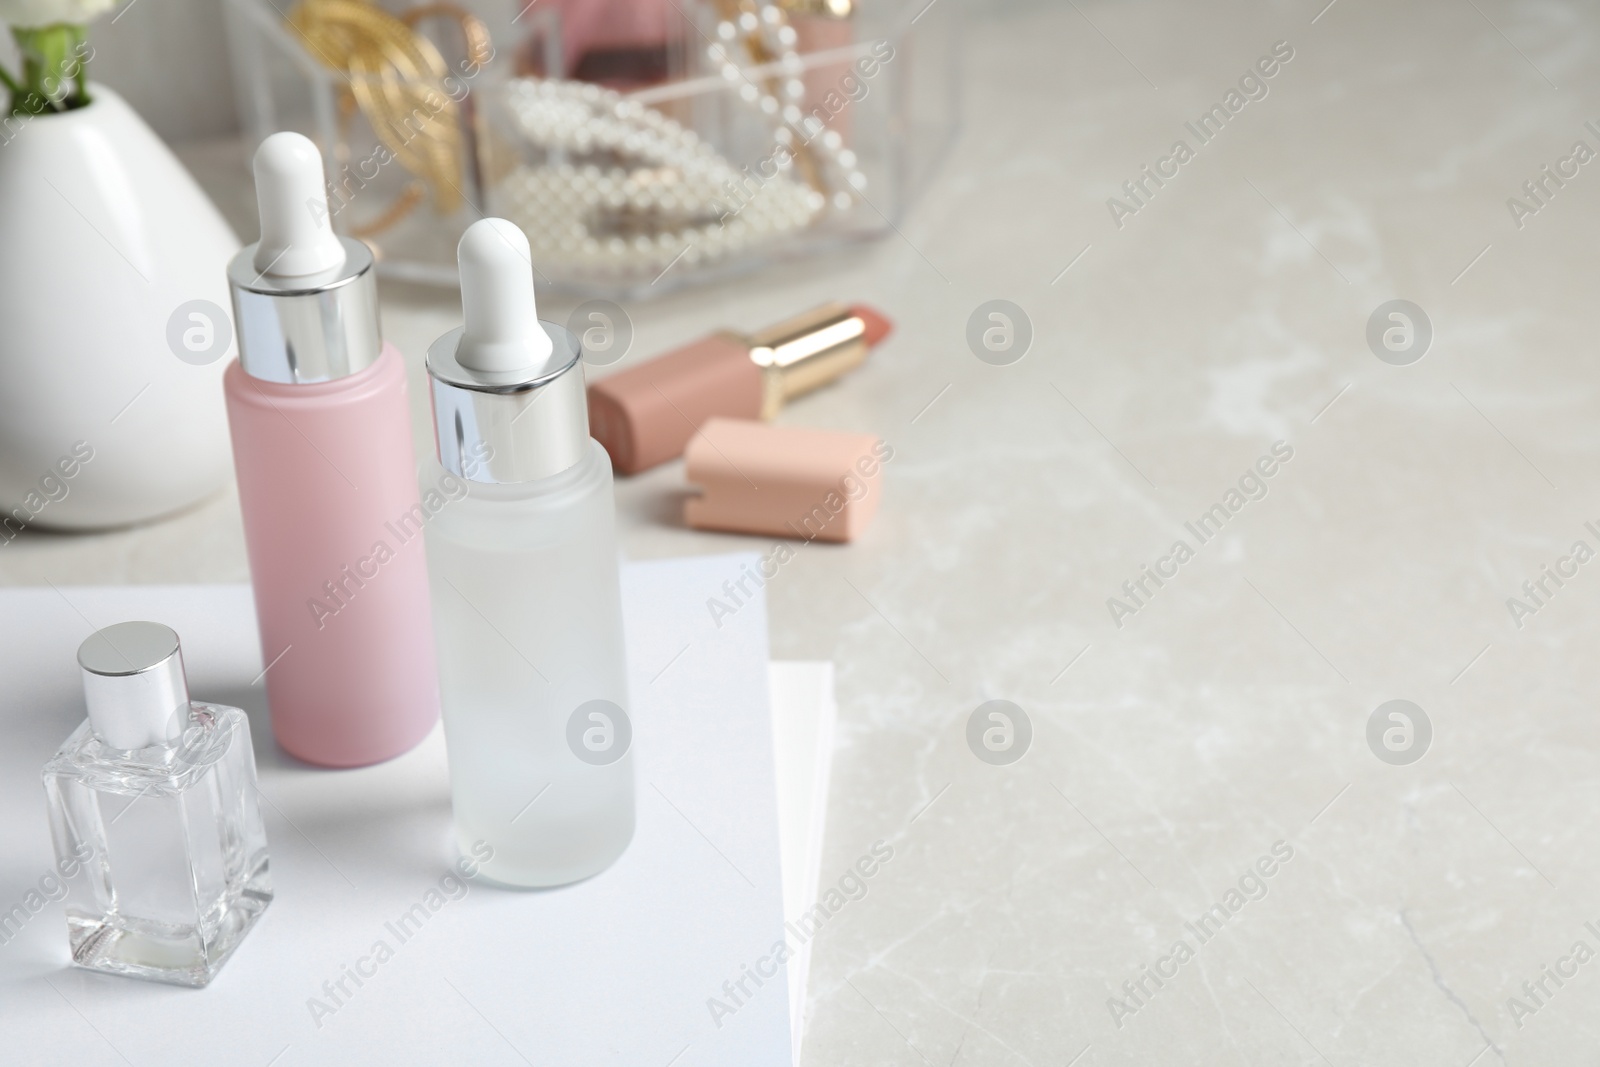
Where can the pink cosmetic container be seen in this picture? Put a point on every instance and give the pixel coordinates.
(327, 481)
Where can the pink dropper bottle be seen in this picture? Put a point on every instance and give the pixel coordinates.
(327, 481)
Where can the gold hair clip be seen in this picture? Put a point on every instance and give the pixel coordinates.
(397, 79)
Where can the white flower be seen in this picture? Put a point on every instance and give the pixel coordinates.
(34, 13)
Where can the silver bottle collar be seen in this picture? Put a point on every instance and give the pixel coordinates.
(316, 328)
(505, 427)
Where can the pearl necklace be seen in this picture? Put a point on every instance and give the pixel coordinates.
(670, 201)
(762, 30)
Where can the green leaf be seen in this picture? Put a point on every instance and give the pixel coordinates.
(53, 76)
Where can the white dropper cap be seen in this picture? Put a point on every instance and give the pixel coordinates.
(501, 330)
(296, 232)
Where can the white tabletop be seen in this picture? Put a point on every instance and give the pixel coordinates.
(1230, 711)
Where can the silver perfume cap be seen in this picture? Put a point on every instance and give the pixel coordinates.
(305, 302)
(134, 684)
(507, 388)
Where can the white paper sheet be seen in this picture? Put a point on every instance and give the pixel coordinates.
(619, 969)
(803, 714)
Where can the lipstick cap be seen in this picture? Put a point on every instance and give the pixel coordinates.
(783, 481)
(308, 328)
(509, 426)
(134, 685)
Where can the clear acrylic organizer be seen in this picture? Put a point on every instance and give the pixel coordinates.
(777, 130)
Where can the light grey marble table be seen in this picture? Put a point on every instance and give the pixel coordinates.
(1182, 739)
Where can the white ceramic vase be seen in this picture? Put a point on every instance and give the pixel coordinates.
(107, 248)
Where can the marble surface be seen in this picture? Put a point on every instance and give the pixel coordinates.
(1229, 714)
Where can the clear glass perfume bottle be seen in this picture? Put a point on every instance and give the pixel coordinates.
(155, 795)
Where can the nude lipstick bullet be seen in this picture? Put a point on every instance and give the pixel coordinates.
(645, 416)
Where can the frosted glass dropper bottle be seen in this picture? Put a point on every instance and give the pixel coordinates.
(527, 606)
(327, 481)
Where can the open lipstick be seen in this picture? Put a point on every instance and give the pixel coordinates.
(646, 415)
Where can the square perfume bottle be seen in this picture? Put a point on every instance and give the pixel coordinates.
(155, 796)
